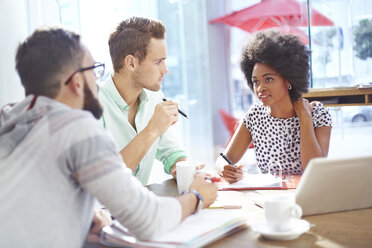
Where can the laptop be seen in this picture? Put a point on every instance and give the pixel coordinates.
(333, 185)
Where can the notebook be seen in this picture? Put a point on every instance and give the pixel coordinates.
(332, 185)
(195, 231)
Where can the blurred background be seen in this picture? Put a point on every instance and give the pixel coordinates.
(204, 43)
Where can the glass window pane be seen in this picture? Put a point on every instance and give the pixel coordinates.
(187, 80)
(341, 57)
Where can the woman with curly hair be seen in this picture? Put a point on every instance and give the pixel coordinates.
(287, 130)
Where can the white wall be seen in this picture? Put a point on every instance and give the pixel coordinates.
(13, 28)
(18, 18)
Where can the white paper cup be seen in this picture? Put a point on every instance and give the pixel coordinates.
(185, 171)
(280, 212)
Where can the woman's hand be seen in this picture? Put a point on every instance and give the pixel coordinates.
(232, 174)
(303, 108)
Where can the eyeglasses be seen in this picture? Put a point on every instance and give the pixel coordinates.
(98, 68)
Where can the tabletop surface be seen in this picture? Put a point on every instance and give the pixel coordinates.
(341, 229)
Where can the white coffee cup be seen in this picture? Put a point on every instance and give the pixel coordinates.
(185, 171)
(280, 211)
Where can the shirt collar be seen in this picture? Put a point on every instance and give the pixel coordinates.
(119, 101)
(143, 98)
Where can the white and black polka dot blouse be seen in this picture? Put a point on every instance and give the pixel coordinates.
(278, 140)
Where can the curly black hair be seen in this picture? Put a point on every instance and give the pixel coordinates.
(283, 52)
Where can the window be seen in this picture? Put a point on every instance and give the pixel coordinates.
(340, 58)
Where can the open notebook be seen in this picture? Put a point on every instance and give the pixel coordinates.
(195, 231)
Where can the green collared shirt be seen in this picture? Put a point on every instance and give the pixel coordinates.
(115, 120)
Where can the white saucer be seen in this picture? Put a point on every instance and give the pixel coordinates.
(299, 227)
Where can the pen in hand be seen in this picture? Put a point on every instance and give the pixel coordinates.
(227, 159)
(237, 172)
(213, 179)
(179, 111)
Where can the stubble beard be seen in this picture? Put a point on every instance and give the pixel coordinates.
(139, 81)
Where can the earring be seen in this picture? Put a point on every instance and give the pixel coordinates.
(289, 87)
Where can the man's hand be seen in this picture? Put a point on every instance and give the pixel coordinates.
(100, 219)
(207, 190)
(232, 174)
(164, 116)
(173, 171)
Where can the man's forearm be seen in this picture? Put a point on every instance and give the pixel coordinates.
(133, 153)
(135, 207)
(188, 203)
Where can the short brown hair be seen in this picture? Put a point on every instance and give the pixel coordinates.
(132, 37)
(45, 57)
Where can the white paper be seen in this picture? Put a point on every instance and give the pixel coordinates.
(254, 181)
(196, 225)
(195, 231)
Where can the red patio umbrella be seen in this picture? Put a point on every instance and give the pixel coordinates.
(273, 13)
(296, 31)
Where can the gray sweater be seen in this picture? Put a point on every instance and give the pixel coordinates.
(54, 163)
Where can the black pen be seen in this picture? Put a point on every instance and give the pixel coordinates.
(179, 110)
(227, 159)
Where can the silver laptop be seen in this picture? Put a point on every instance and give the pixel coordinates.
(332, 185)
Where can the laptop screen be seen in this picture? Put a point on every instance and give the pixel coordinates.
(332, 185)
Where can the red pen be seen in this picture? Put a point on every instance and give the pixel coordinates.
(214, 179)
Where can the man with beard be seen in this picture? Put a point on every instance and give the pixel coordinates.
(56, 160)
(135, 112)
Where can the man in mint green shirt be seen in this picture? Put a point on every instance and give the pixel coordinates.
(134, 111)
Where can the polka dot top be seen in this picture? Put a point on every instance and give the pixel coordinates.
(278, 140)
